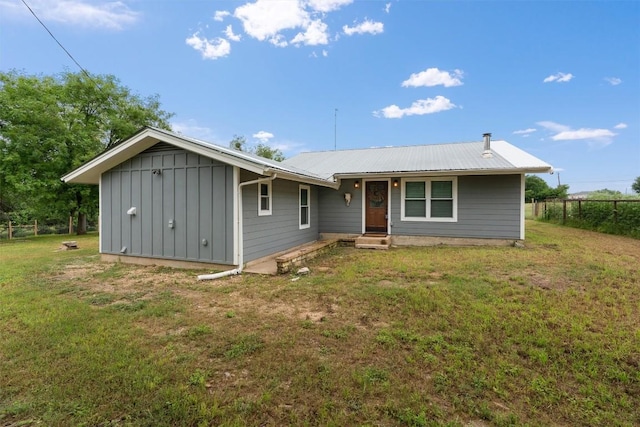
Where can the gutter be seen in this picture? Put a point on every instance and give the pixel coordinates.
(240, 235)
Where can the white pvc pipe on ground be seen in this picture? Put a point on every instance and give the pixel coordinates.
(214, 276)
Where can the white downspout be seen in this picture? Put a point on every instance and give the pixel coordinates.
(240, 235)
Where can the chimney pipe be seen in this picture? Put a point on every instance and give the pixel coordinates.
(487, 146)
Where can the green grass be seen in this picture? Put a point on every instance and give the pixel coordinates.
(546, 335)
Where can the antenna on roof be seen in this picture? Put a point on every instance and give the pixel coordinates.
(335, 129)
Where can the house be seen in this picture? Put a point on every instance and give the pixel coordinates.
(170, 198)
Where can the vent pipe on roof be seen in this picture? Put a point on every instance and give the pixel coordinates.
(487, 146)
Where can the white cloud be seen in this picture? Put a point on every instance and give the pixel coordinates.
(230, 35)
(265, 19)
(220, 15)
(553, 126)
(387, 7)
(524, 132)
(614, 81)
(599, 137)
(328, 5)
(366, 27)
(111, 15)
(620, 126)
(418, 108)
(325, 53)
(315, 34)
(263, 136)
(559, 78)
(583, 133)
(278, 40)
(434, 77)
(210, 49)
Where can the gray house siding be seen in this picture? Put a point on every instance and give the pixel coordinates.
(488, 207)
(265, 235)
(193, 192)
(335, 215)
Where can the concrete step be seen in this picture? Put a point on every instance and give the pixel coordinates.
(371, 242)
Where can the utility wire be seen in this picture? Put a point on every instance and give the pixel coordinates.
(85, 72)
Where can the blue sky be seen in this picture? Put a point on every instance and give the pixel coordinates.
(560, 79)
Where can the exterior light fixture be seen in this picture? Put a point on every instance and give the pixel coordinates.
(356, 184)
(395, 182)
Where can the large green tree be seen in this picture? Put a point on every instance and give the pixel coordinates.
(50, 125)
(537, 188)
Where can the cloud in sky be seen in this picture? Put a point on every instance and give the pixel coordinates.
(620, 126)
(263, 136)
(614, 81)
(110, 15)
(209, 49)
(524, 132)
(230, 34)
(365, 27)
(434, 77)
(285, 23)
(220, 15)
(559, 78)
(315, 34)
(600, 137)
(418, 108)
(387, 7)
(328, 5)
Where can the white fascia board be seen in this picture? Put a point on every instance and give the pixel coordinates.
(464, 172)
(302, 178)
(90, 172)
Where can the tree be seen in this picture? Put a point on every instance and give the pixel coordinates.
(537, 188)
(263, 150)
(50, 125)
(636, 185)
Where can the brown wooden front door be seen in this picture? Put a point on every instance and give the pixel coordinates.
(376, 206)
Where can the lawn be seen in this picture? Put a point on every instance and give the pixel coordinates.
(548, 334)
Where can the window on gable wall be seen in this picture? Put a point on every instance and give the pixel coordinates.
(305, 215)
(264, 198)
(429, 199)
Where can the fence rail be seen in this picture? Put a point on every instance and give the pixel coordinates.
(11, 230)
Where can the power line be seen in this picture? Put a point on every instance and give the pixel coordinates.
(86, 73)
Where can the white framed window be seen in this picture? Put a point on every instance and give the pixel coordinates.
(429, 199)
(264, 198)
(305, 206)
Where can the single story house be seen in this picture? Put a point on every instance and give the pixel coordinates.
(165, 196)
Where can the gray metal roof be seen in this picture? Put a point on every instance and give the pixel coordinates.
(457, 157)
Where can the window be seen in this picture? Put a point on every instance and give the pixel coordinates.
(429, 199)
(304, 207)
(264, 198)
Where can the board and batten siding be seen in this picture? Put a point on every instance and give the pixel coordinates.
(191, 192)
(489, 206)
(266, 235)
(335, 215)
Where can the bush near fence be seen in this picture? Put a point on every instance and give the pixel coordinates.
(620, 217)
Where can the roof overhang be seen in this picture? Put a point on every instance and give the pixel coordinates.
(90, 172)
(459, 172)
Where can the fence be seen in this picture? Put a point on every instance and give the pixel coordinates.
(621, 216)
(11, 230)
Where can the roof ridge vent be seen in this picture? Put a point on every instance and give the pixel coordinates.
(487, 154)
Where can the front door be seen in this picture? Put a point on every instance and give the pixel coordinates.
(376, 206)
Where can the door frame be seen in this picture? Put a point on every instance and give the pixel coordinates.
(364, 202)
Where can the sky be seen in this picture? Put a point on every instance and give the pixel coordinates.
(558, 79)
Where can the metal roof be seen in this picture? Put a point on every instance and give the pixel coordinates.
(466, 157)
(326, 167)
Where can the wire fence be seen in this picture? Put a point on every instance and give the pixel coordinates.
(621, 216)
